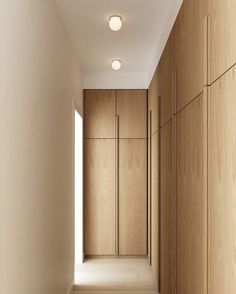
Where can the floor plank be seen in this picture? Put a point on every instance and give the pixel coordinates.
(115, 274)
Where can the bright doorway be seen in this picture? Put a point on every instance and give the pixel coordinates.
(78, 189)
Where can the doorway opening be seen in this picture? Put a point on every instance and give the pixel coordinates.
(78, 189)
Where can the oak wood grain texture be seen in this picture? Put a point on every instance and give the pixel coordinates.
(167, 209)
(222, 185)
(133, 197)
(166, 80)
(153, 96)
(192, 198)
(99, 114)
(222, 36)
(189, 50)
(155, 204)
(115, 275)
(99, 196)
(132, 111)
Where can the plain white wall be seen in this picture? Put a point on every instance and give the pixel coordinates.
(39, 81)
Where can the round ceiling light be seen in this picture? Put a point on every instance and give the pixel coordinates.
(115, 22)
(116, 64)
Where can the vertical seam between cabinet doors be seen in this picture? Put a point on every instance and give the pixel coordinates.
(159, 194)
(115, 221)
(116, 179)
(174, 191)
(83, 192)
(150, 183)
(176, 212)
(208, 190)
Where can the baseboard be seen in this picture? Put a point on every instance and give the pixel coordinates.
(114, 292)
(70, 289)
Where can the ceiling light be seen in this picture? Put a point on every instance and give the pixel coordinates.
(115, 22)
(116, 64)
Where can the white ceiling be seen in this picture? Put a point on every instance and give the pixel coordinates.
(139, 44)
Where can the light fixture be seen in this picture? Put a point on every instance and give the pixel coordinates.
(116, 64)
(115, 22)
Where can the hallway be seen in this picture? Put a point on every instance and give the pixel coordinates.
(118, 146)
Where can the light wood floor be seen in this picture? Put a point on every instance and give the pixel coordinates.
(115, 274)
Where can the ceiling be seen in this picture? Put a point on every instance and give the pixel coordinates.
(139, 44)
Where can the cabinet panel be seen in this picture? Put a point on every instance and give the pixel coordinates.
(192, 198)
(166, 79)
(133, 196)
(99, 114)
(189, 48)
(155, 202)
(132, 111)
(153, 96)
(168, 212)
(222, 185)
(99, 196)
(222, 36)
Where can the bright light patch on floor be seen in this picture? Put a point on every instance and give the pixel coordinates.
(78, 189)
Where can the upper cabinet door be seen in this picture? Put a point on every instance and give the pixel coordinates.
(153, 97)
(190, 50)
(99, 114)
(222, 36)
(166, 80)
(132, 111)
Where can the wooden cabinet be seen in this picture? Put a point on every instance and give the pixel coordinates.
(132, 112)
(222, 184)
(155, 203)
(190, 49)
(99, 114)
(132, 197)
(99, 196)
(222, 36)
(153, 100)
(192, 198)
(115, 172)
(168, 211)
(167, 76)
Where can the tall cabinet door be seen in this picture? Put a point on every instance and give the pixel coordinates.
(132, 111)
(99, 196)
(99, 114)
(132, 196)
(222, 185)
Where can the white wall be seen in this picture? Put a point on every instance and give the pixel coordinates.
(39, 80)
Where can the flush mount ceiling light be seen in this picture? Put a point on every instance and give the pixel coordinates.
(116, 64)
(115, 22)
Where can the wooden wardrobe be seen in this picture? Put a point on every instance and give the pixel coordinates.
(115, 172)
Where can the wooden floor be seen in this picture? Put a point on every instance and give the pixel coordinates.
(115, 274)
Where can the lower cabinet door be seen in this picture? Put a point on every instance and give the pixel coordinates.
(222, 185)
(154, 202)
(192, 198)
(133, 197)
(99, 197)
(167, 211)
